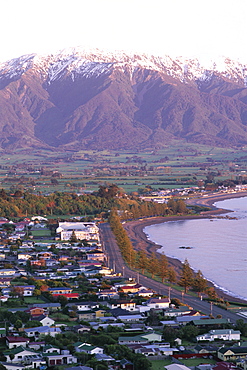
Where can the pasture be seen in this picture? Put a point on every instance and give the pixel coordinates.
(174, 166)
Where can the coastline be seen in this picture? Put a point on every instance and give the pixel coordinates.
(140, 241)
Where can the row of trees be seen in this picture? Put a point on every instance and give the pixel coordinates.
(157, 267)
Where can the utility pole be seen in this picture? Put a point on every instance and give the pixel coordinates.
(211, 308)
(169, 293)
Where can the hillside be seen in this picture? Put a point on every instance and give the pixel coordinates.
(91, 100)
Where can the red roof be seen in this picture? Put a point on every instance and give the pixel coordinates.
(16, 339)
(67, 295)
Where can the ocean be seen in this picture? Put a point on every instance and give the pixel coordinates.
(217, 247)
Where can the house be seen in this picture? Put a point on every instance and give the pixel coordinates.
(81, 328)
(45, 320)
(153, 337)
(42, 330)
(163, 349)
(50, 307)
(13, 342)
(158, 302)
(212, 323)
(123, 304)
(97, 255)
(83, 306)
(206, 348)
(108, 294)
(88, 348)
(60, 290)
(86, 315)
(185, 319)
(35, 311)
(19, 354)
(130, 288)
(36, 345)
(7, 272)
(145, 293)
(25, 290)
(130, 318)
(24, 256)
(224, 366)
(224, 334)
(64, 358)
(232, 353)
(127, 365)
(176, 367)
(174, 312)
(50, 349)
(137, 339)
(11, 366)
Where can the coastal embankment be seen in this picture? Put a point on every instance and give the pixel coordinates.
(141, 242)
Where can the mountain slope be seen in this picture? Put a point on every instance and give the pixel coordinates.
(78, 99)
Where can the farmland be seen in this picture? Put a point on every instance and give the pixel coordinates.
(175, 166)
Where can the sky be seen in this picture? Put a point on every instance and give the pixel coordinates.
(190, 28)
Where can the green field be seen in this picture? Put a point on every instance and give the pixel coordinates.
(159, 364)
(178, 165)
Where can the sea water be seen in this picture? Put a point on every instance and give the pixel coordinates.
(217, 247)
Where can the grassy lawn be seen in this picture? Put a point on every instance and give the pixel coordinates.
(159, 364)
(41, 233)
(197, 361)
(33, 300)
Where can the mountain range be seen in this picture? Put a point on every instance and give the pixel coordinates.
(89, 99)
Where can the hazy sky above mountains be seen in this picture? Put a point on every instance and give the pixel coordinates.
(175, 27)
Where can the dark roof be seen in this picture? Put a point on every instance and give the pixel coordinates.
(237, 349)
(16, 339)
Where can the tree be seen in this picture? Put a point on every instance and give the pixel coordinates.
(199, 283)
(152, 265)
(189, 331)
(73, 237)
(186, 277)
(32, 324)
(163, 267)
(242, 326)
(18, 324)
(172, 276)
(142, 260)
(141, 362)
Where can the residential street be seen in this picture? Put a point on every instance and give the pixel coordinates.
(115, 262)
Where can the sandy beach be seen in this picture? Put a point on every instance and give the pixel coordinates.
(139, 239)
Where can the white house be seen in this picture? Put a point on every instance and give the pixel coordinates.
(20, 354)
(46, 320)
(88, 348)
(224, 334)
(158, 302)
(65, 358)
(13, 342)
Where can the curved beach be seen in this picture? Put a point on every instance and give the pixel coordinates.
(140, 240)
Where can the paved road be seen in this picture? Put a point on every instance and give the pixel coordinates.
(116, 262)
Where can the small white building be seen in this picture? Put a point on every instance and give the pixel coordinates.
(224, 334)
(88, 348)
(158, 302)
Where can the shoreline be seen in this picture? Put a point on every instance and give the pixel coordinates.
(140, 241)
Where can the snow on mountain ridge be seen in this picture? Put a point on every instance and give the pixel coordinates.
(77, 61)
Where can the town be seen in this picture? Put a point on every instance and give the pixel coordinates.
(64, 307)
